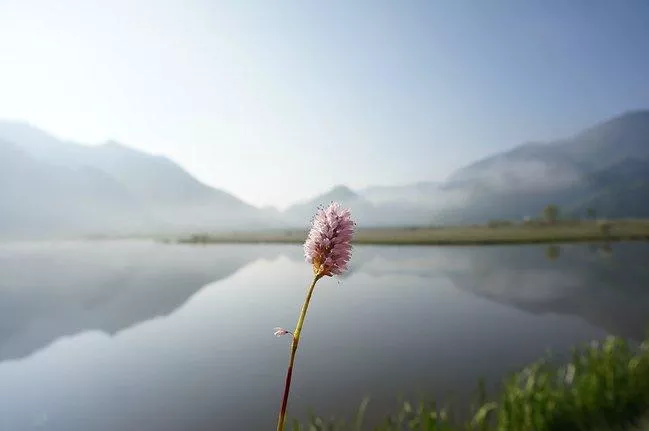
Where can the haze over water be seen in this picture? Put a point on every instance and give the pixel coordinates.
(144, 336)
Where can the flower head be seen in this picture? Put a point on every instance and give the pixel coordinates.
(328, 247)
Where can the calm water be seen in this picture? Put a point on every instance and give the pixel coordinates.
(143, 336)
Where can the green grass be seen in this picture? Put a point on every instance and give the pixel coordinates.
(496, 233)
(604, 387)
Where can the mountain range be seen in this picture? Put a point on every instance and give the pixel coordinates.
(50, 187)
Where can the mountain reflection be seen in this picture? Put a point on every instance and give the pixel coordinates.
(552, 252)
(56, 290)
(602, 284)
(53, 290)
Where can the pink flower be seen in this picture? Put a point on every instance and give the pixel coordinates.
(328, 247)
(281, 331)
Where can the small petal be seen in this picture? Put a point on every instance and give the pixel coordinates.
(281, 331)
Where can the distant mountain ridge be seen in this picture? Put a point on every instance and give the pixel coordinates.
(564, 172)
(602, 167)
(58, 187)
(49, 187)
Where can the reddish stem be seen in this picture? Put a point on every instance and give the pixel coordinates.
(291, 361)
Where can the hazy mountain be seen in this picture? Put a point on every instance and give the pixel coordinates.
(523, 180)
(39, 198)
(302, 212)
(604, 167)
(620, 191)
(409, 193)
(544, 165)
(48, 186)
(611, 142)
(365, 212)
(538, 167)
(428, 196)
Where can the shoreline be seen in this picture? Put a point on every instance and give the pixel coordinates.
(475, 235)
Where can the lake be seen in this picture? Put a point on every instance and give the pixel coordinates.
(135, 335)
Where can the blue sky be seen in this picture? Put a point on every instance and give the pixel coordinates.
(279, 101)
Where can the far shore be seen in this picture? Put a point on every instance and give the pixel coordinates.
(496, 233)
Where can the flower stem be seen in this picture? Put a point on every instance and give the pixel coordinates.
(291, 361)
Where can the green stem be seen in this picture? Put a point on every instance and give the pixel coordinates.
(296, 340)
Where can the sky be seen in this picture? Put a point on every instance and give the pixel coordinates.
(280, 101)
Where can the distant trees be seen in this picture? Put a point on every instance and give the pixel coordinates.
(499, 223)
(551, 213)
(605, 227)
(591, 213)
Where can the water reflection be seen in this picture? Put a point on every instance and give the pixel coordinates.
(143, 336)
(49, 291)
(62, 289)
(552, 252)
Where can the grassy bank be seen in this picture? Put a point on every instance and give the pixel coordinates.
(604, 387)
(495, 233)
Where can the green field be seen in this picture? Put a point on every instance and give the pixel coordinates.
(495, 233)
